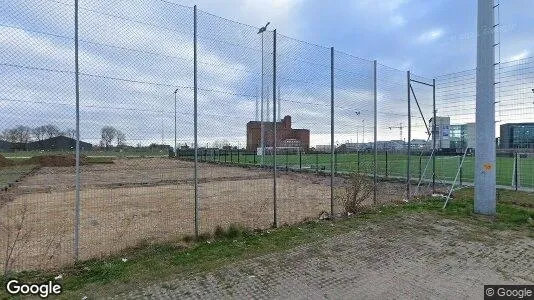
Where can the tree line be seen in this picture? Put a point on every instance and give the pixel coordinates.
(25, 134)
(110, 136)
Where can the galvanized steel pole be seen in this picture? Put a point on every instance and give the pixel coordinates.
(195, 113)
(485, 176)
(434, 136)
(332, 149)
(274, 131)
(375, 100)
(77, 83)
(409, 138)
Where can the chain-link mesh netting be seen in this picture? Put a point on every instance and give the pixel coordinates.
(264, 143)
(37, 115)
(229, 80)
(515, 123)
(303, 87)
(422, 109)
(134, 65)
(353, 131)
(455, 117)
(392, 122)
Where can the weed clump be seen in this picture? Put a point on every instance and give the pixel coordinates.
(358, 189)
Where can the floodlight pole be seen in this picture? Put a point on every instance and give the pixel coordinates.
(262, 127)
(485, 176)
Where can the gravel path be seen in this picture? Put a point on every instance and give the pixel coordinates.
(410, 257)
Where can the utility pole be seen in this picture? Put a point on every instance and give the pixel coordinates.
(400, 127)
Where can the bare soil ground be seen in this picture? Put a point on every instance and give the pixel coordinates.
(146, 200)
(412, 256)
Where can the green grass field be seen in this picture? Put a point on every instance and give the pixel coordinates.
(390, 165)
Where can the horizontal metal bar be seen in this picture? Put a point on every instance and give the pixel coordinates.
(421, 82)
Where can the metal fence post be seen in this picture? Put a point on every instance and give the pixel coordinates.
(516, 173)
(409, 139)
(195, 113)
(287, 159)
(461, 170)
(77, 83)
(332, 149)
(300, 160)
(274, 131)
(420, 167)
(386, 163)
(375, 156)
(434, 136)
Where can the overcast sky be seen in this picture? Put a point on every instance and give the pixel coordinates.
(135, 53)
(425, 36)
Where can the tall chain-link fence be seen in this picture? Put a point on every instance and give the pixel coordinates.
(189, 122)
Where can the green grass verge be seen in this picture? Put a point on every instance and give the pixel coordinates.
(12, 174)
(154, 263)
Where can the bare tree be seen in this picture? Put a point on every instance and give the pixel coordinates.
(51, 131)
(71, 133)
(19, 134)
(121, 138)
(39, 133)
(109, 134)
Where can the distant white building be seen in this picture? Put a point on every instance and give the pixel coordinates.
(443, 131)
(322, 148)
(418, 144)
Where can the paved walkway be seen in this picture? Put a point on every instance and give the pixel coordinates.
(416, 257)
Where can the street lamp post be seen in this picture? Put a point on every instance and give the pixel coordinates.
(357, 131)
(363, 132)
(262, 134)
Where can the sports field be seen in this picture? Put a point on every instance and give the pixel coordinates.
(388, 165)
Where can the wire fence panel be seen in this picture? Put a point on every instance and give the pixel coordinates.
(392, 122)
(189, 122)
(37, 116)
(422, 109)
(303, 83)
(455, 125)
(353, 131)
(515, 123)
(133, 67)
(230, 71)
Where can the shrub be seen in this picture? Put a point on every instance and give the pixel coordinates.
(358, 189)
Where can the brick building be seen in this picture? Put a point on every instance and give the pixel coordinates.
(286, 136)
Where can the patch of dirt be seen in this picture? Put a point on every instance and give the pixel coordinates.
(56, 160)
(152, 199)
(4, 162)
